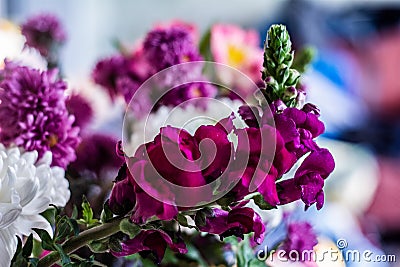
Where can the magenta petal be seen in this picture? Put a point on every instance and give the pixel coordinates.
(237, 222)
(154, 241)
(268, 190)
(122, 198)
(288, 191)
(320, 161)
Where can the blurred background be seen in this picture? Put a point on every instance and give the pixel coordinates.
(354, 79)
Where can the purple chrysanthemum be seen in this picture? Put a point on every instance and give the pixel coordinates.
(43, 32)
(33, 114)
(170, 46)
(108, 71)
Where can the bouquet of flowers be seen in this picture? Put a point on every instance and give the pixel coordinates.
(216, 131)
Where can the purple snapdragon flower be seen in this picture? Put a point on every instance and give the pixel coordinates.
(295, 131)
(308, 182)
(150, 241)
(34, 115)
(44, 32)
(237, 222)
(123, 196)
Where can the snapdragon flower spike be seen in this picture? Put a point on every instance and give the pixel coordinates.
(300, 237)
(150, 241)
(280, 77)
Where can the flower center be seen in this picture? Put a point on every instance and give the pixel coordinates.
(236, 56)
(53, 140)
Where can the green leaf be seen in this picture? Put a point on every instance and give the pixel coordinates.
(114, 244)
(245, 253)
(74, 212)
(50, 215)
(303, 58)
(27, 250)
(256, 263)
(195, 255)
(33, 262)
(204, 46)
(261, 203)
(74, 226)
(99, 246)
(201, 216)
(129, 228)
(65, 260)
(18, 259)
(182, 220)
(106, 213)
(63, 229)
(226, 200)
(37, 248)
(87, 214)
(47, 241)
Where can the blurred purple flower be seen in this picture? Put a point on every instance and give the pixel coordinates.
(300, 237)
(170, 46)
(187, 92)
(81, 109)
(108, 71)
(96, 153)
(43, 32)
(121, 74)
(237, 222)
(150, 241)
(34, 115)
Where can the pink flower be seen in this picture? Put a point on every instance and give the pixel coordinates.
(239, 49)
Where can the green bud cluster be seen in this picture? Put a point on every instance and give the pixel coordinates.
(279, 75)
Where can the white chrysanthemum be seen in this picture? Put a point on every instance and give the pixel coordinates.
(190, 117)
(27, 188)
(12, 47)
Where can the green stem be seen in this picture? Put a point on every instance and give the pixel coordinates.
(84, 238)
